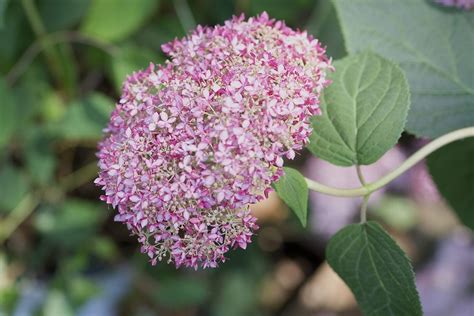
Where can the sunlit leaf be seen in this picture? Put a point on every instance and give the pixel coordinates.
(57, 305)
(114, 20)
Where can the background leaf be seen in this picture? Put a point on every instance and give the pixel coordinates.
(40, 160)
(375, 269)
(8, 114)
(324, 25)
(293, 190)
(58, 15)
(130, 59)
(432, 45)
(57, 305)
(452, 169)
(71, 223)
(364, 111)
(86, 118)
(113, 25)
(3, 6)
(13, 187)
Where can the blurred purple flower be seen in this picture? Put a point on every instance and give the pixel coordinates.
(462, 4)
(445, 284)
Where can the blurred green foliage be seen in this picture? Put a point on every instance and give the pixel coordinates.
(62, 64)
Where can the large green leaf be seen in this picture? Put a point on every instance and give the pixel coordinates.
(433, 46)
(114, 20)
(452, 169)
(364, 111)
(293, 190)
(85, 119)
(58, 15)
(375, 269)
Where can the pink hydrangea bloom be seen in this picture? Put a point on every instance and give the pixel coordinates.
(462, 4)
(193, 142)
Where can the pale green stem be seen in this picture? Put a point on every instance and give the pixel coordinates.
(365, 201)
(360, 175)
(18, 215)
(363, 208)
(407, 164)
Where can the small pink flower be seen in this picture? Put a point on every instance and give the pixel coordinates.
(193, 142)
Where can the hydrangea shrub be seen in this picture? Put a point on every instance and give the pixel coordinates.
(193, 142)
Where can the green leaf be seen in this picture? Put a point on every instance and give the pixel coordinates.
(57, 305)
(293, 190)
(128, 60)
(70, 224)
(114, 20)
(40, 160)
(8, 115)
(364, 111)
(80, 289)
(375, 269)
(323, 24)
(13, 187)
(3, 6)
(181, 292)
(398, 212)
(58, 15)
(452, 169)
(85, 119)
(433, 46)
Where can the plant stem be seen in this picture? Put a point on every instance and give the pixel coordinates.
(365, 201)
(79, 177)
(26, 206)
(407, 164)
(360, 175)
(52, 57)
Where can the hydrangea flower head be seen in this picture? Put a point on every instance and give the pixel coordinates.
(193, 142)
(461, 4)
